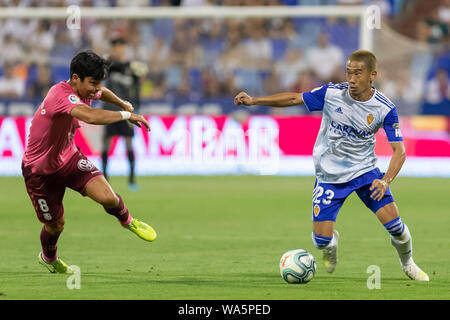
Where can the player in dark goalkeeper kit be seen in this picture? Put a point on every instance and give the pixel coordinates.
(124, 79)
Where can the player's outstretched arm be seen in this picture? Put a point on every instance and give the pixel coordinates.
(379, 186)
(397, 160)
(285, 99)
(109, 96)
(100, 116)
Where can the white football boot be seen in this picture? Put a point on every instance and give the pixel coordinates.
(414, 272)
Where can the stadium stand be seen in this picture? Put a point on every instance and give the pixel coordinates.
(196, 65)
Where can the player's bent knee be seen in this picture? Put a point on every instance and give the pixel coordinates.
(387, 213)
(56, 227)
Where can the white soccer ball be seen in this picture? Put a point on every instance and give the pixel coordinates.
(297, 266)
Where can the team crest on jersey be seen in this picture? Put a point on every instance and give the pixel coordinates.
(370, 118)
(74, 99)
(316, 210)
(85, 165)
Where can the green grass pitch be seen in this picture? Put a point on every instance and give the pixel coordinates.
(221, 237)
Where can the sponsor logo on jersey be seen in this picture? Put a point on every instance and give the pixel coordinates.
(398, 133)
(369, 118)
(85, 165)
(74, 99)
(348, 130)
(338, 110)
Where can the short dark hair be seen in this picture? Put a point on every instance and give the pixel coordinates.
(89, 64)
(369, 59)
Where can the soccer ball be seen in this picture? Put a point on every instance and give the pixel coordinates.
(297, 266)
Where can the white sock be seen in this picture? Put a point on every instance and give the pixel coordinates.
(333, 243)
(403, 244)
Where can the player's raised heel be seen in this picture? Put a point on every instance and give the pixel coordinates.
(57, 266)
(330, 255)
(414, 272)
(142, 230)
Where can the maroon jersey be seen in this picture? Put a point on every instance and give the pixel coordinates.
(50, 142)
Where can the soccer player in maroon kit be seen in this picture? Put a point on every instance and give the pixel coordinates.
(52, 162)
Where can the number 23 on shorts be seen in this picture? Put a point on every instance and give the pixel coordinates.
(326, 194)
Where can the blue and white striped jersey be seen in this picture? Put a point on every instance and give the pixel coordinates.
(345, 145)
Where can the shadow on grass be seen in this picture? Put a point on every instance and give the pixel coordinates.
(232, 280)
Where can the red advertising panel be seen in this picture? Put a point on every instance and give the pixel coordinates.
(222, 141)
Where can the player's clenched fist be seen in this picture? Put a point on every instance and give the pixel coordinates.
(243, 98)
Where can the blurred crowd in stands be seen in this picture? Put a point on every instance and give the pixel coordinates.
(211, 58)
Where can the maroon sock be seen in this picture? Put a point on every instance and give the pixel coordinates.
(48, 242)
(120, 212)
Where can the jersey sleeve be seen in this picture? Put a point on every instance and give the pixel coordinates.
(391, 126)
(315, 99)
(67, 102)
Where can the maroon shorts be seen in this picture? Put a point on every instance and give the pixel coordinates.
(47, 191)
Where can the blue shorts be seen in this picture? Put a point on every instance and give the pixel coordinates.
(328, 198)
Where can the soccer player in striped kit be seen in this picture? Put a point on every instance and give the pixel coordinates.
(344, 156)
(52, 162)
